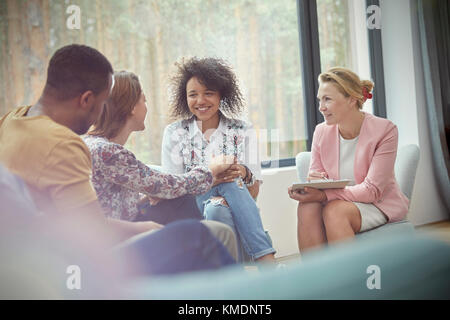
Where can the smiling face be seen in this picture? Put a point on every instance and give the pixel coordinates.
(203, 102)
(333, 105)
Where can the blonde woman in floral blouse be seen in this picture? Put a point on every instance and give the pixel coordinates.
(206, 103)
(122, 181)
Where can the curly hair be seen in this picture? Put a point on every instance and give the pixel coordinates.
(213, 73)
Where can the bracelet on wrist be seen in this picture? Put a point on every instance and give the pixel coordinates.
(247, 173)
(251, 182)
(249, 178)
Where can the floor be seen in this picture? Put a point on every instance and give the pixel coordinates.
(440, 230)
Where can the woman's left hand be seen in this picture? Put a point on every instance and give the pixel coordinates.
(308, 195)
(230, 174)
(237, 170)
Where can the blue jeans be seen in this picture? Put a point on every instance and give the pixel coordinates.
(180, 246)
(242, 215)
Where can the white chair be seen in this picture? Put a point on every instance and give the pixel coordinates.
(405, 173)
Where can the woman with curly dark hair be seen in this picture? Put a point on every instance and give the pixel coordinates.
(206, 102)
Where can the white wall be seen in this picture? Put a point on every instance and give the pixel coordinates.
(278, 211)
(405, 99)
(401, 98)
(406, 104)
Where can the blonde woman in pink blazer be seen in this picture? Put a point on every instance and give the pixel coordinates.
(354, 145)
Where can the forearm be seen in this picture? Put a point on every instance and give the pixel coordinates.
(153, 183)
(199, 180)
(170, 186)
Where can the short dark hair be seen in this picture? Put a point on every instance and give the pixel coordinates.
(75, 69)
(213, 73)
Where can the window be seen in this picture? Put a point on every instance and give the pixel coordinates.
(259, 39)
(343, 37)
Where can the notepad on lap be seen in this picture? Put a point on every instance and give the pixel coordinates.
(322, 184)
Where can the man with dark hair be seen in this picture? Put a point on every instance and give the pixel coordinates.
(75, 69)
(41, 145)
(79, 78)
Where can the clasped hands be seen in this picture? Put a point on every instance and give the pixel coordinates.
(309, 194)
(226, 169)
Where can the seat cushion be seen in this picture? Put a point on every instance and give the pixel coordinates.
(336, 272)
(403, 226)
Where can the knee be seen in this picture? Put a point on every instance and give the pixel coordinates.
(220, 201)
(186, 226)
(220, 230)
(217, 209)
(234, 185)
(225, 235)
(334, 213)
(309, 211)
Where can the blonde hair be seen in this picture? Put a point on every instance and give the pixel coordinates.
(124, 96)
(348, 83)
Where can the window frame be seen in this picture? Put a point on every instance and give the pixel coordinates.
(377, 67)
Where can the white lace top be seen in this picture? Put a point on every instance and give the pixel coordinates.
(185, 147)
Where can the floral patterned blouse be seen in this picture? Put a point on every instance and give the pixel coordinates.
(121, 180)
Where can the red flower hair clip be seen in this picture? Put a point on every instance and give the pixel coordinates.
(366, 94)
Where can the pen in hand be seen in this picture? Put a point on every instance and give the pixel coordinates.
(314, 175)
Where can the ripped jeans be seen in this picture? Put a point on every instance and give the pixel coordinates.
(241, 214)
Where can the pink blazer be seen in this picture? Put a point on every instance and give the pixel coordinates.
(374, 165)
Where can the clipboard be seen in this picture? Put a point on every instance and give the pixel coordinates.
(322, 184)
